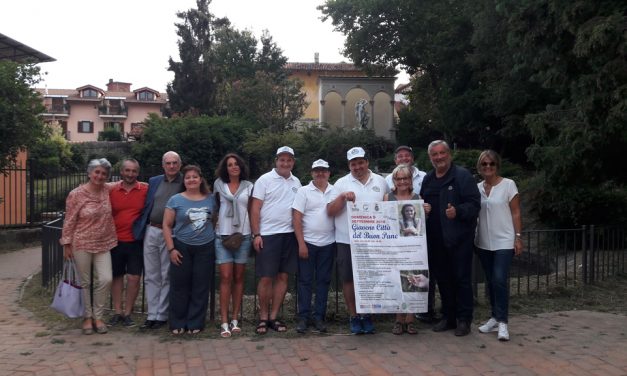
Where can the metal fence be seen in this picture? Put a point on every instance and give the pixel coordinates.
(565, 257)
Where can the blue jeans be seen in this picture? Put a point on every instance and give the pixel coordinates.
(189, 285)
(320, 262)
(496, 266)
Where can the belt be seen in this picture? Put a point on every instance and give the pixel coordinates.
(157, 225)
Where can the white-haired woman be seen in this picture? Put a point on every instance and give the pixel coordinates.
(88, 236)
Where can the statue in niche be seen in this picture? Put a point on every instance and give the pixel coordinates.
(361, 114)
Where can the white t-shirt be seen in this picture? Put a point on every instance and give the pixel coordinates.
(277, 194)
(495, 227)
(417, 177)
(318, 227)
(374, 190)
(225, 223)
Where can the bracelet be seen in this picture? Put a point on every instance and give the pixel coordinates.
(518, 235)
(171, 249)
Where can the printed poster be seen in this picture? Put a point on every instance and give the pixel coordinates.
(389, 256)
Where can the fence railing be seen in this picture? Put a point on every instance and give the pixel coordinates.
(565, 257)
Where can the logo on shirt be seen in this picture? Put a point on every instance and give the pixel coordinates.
(294, 189)
(376, 189)
(198, 218)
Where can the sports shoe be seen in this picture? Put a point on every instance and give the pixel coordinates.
(489, 326)
(366, 325)
(115, 319)
(320, 326)
(301, 327)
(355, 323)
(503, 332)
(128, 322)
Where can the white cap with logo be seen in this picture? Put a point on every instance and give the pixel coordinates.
(355, 152)
(320, 163)
(285, 149)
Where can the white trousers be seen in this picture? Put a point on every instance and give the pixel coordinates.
(102, 280)
(156, 269)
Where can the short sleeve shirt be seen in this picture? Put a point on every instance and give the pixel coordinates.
(192, 223)
(374, 190)
(318, 227)
(277, 194)
(495, 228)
(127, 206)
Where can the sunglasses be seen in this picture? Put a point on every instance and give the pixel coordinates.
(486, 164)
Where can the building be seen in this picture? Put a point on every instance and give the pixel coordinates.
(85, 112)
(340, 93)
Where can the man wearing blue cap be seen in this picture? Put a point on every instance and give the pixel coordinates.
(273, 237)
(315, 233)
(360, 184)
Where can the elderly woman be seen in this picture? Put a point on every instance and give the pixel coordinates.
(403, 190)
(189, 236)
(88, 236)
(498, 237)
(232, 192)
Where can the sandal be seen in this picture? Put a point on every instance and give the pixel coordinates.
(224, 330)
(397, 330)
(410, 328)
(194, 331)
(233, 327)
(262, 327)
(277, 325)
(179, 331)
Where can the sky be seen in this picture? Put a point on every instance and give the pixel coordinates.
(131, 40)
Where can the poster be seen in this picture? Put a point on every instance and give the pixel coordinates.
(389, 256)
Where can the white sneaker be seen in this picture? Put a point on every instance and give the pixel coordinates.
(490, 326)
(503, 332)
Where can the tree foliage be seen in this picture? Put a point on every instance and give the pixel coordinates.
(20, 105)
(223, 72)
(541, 81)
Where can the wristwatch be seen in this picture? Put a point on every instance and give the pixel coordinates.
(256, 235)
(518, 235)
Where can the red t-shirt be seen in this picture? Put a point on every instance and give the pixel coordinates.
(127, 207)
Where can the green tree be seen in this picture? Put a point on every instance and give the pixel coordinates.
(20, 105)
(52, 151)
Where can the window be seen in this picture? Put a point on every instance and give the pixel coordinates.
(58, 105)
(118, 126)
(146, 96)
(90, 93)
(85, 126)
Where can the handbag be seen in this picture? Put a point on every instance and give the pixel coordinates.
(68, 298)
(233, 242)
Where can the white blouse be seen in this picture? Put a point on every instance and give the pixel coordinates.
(495, 228)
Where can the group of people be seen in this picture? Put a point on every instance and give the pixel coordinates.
(175, 228)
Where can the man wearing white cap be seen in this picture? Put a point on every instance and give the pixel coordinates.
(360, 185)
(315, 233)
(273, 237)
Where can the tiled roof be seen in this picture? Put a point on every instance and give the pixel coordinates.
(322, 67)
(129, 95)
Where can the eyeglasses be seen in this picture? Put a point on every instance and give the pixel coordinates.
(402, 178)
(486, 164)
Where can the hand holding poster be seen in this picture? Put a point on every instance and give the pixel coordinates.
(389, 256)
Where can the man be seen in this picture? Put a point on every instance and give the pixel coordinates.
(455, 202)
(156, 257)
(273, 237)
(405, 155)
(315, 233)
(360, 185)
(127, 201)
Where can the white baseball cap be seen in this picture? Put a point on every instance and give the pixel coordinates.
(285, 149)
(320, 163)
(355, 152)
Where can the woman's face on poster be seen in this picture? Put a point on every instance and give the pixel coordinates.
(409, 212)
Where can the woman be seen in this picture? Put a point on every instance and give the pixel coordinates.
(410, 226)
(498, 237)
(88, 236)
(188, 234)
(233, 194)
(403, 190)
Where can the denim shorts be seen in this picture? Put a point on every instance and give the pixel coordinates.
(224, 256)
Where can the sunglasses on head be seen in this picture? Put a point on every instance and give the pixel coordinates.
(486, 164)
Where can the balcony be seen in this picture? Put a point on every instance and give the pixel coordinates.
(112, 112)
(62, 110)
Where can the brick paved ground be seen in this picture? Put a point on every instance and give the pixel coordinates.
(562, 343)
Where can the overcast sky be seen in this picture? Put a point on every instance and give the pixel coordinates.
(131, 40)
